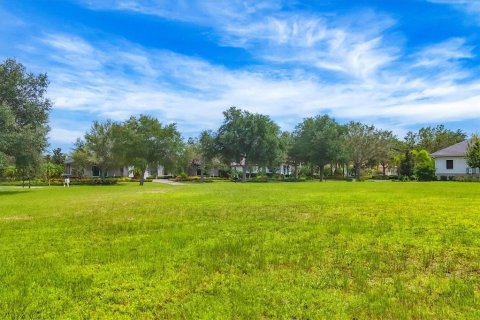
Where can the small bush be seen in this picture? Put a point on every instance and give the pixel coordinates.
(425, 173)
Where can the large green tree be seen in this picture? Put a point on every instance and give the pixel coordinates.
(387, 150)
(248, 139)
(98, 147)
(318, 141)
(365, 143)
(58, 157)
(145, 143)
(472, 156)
(23, 116)
(424, 165)
(434, 138)
(208, 151)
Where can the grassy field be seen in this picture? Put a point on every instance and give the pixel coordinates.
(248, 251)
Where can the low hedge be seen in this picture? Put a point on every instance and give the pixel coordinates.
(60, 182)
(191, 179)
(136, 180)
(465, 178)
(85, 181)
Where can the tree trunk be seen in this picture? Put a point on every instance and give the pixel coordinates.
(357, 171)
(142, 177)
(296, 171)
(322, 172)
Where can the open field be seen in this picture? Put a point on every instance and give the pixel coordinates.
(247, 251)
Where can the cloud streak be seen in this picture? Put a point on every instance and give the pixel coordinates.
(350, 67)
(194, 92)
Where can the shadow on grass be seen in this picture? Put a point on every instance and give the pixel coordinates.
(12, 190)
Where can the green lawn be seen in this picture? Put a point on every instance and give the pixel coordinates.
(246, 251)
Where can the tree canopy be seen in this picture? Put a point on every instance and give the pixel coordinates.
(318, 141)
(144, 142)
(23, 117)
(472, 155)
(247, 138)
(434, 138)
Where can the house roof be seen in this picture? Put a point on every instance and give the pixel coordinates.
(69, 160)
(457, 150)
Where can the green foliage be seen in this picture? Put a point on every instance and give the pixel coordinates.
(425, 172)
(9, 173)
(51, 170)
(144, 142)
(248, 139)
(60, 182)
(89, 181)
(407, 165)
(424, 165)
(98, 148)
(58, 157)
(469, 178)
(367, 144)
(81, 159)
(318, 141)
(23, 117)
(472, 155)
(434, 138)
(185, 178)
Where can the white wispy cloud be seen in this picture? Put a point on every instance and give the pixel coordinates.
(353, 45)
(194, 92)
(471, 7)
(380, 83)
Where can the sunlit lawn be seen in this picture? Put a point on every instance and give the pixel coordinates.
(229, 250)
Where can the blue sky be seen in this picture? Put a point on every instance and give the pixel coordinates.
(397, 64)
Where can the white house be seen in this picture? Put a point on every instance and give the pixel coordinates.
(450, 162)
(126, 171)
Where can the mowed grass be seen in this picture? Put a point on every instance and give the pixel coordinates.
(241, 251)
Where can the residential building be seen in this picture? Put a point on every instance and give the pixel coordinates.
(450, 162)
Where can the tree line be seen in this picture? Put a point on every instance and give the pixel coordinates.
(254, 140)
(246, 139)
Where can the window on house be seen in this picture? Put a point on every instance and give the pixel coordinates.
(449, 164)
(95, 171)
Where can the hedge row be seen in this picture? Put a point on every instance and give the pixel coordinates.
(60, 182)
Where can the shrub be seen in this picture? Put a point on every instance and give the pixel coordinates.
(73, 181)
(466, 178)
(93, 181)
(186, 178)
(425, 173)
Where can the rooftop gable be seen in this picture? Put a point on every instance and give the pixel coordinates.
(457, 150)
